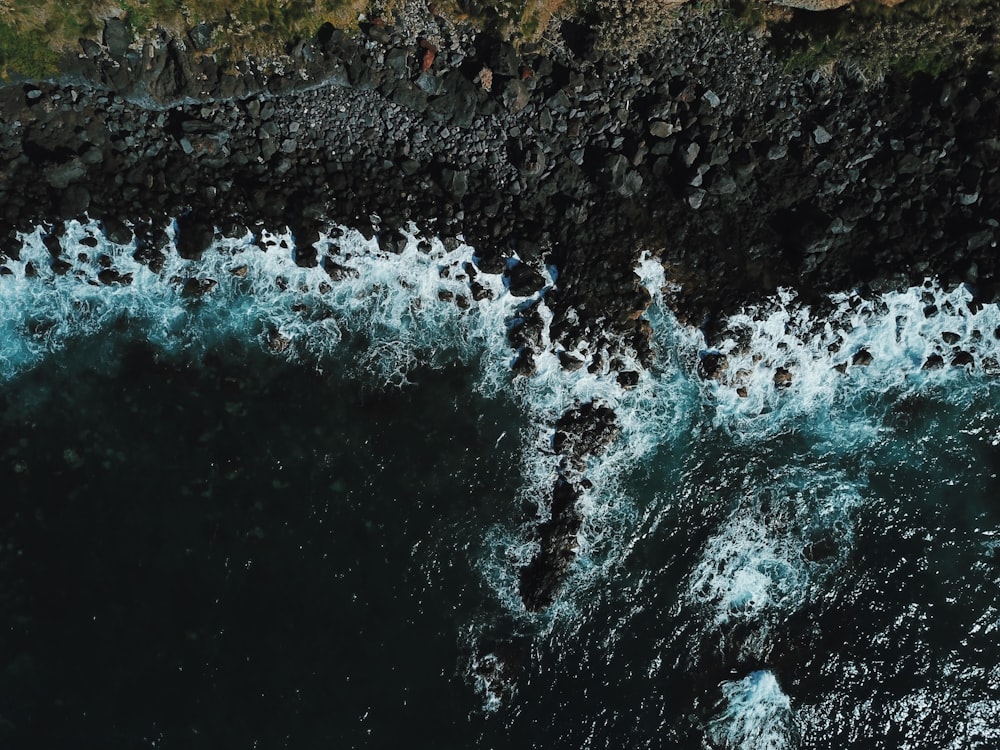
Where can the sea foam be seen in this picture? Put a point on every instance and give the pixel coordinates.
(251, 288)
(757, 714)
(783, 364)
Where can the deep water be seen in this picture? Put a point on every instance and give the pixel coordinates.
(231, 550)
(289, 511)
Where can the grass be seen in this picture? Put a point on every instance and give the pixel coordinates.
(872, 40)
(868, 37)
(25, 53)
(35, 33)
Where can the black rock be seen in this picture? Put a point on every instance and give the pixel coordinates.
(455, 181)
(194, 287)
(711, 365)
(524, 280)
(570, 362)
(933, 362)
(628, 379)
(116, 231)
(201, 36)
(585, 430)
(543, 578)
(109, 276)
(524, 363)
(117, 37)
(194, 236)
(962, 359)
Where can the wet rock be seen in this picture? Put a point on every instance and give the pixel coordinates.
(712, 365)
(963, 359)
(59, 267)
(195, 287)
(543, 578)
(933, 362)
(585, 430)
(479, 292)
(782, 378)
(194, 236)
(628, 379)
(116, 231)
(110, 277)
(278, 343)
(570, 362)
(524, 363)
(861, 358)
(523, 280)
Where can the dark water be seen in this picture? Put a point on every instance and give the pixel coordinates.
(233, 551)
(277, 516)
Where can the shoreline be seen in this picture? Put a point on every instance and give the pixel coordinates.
(739, 177)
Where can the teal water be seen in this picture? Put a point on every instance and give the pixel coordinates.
(290, 511)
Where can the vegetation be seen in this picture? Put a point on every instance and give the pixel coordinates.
(35, 33)
(869, 37)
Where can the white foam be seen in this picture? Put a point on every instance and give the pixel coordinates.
(901, 331)
(653, 413)
(392, 301)
(259, 292)
(776, 548)
(757, 715)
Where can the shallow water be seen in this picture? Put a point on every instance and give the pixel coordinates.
(290, 512)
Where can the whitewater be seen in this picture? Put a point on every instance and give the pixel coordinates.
(797, 549)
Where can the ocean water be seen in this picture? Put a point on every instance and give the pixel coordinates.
(253, 505)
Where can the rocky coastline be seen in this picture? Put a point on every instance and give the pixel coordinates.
(706, 153)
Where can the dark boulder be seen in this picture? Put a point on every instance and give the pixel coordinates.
(116, 37)
(585, 430)
(524, 280)
(194, 236)
(543, 578)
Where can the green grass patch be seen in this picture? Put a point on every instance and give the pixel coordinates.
(26, 55)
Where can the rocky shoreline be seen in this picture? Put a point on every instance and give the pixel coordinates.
(706, 154)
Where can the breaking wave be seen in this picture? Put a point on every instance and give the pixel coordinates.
(797, 424)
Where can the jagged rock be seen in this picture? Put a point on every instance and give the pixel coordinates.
(523, 280)
(570, 362)
(201, 36)
(712, 365)
(543, 578)
(194, 287)
(585, 430)
(933, 362)
(524, 363)
(628, 379)
(117, 37)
